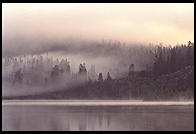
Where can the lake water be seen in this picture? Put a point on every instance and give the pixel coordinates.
(90, 118)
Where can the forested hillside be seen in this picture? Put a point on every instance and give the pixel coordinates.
(169, 75)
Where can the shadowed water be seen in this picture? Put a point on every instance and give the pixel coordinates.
(120, 118)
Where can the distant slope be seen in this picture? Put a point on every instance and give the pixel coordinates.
(174, 86)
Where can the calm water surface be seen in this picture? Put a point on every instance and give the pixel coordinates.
(74, 118)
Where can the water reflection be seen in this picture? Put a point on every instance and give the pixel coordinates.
(97, 118)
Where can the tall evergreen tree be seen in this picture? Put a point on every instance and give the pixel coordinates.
(109, 77)
(100, 79)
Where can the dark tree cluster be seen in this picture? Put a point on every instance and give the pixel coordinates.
(171, 59)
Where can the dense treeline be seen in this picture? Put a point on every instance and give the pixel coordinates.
(171, 59)
(168, 74)
(175, 86)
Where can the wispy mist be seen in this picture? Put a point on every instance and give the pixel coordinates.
(133, 23)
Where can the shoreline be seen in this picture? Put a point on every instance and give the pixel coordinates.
(94, 103)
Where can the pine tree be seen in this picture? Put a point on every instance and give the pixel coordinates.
(109, 77)
(100, 79)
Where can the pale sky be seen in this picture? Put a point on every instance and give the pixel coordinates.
(134, 22)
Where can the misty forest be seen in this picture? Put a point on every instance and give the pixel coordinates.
(100, 70)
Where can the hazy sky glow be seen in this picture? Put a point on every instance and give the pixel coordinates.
(143, 23)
